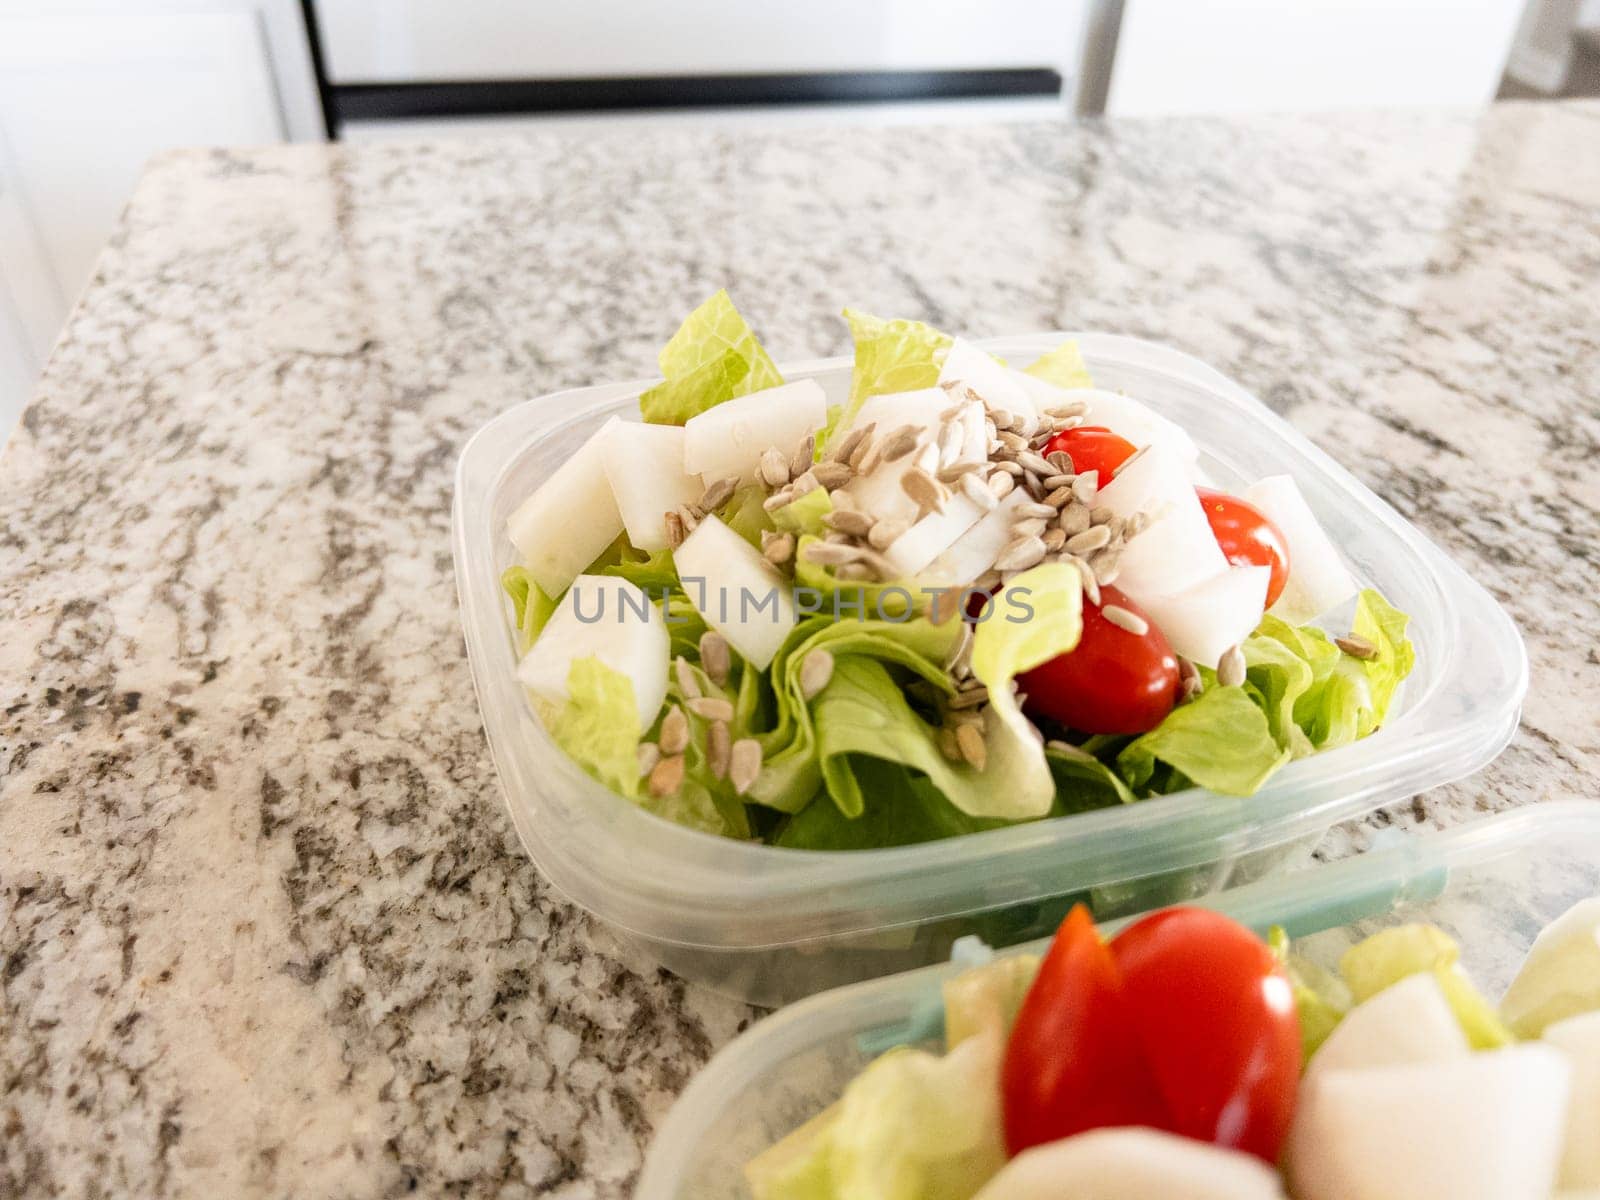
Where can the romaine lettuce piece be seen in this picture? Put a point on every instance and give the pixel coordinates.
(912, 1126)
(713, 357)
(598, 725)
(1220, 740)
(1321, 998)
(1063, 366)
(531, 607)
(987, 998)
(1391, 955)
(891, 356)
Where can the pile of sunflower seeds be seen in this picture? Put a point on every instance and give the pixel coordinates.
(664, 762)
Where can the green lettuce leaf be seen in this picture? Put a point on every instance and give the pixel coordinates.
(891, 356)
(654, 572)
(531, 607)
(912, 1126)
(1219, 740)
(1084, 783)
(804, 516)
(598, 726)
(1321, 998)
(987, 997)
(703, 801)
(1393, 954)
(674, 401)
(1063, 366)
(901, 808)
(713, 357)
(745, 515)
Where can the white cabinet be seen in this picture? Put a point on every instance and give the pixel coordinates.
(88, 92)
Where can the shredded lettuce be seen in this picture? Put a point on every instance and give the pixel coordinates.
(1063, 366)
(891, 356)
(713, 357)
(531, 606)
(653, 572)
(912, 1126)
(1219, 740)
(598, 725)
(1391, 955)
(1321, 998)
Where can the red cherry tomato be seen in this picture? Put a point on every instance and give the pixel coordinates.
(1093, 448)
(1073, 1061)
(1247, 537)
(1113, 682)
(1216, 1019)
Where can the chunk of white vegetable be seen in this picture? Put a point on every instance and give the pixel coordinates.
(1560, 978)
(996, 385)
(1579, 1039)
(644, 464)
(1410, 1021)
(931, 536)
(570, 519)
(731, 438)
(1204, 620)
(608, 618)
(1318, 579)
(1486, 1126)
(1177, 550)
(1133, 1164)
(975, 551)
(738, 592)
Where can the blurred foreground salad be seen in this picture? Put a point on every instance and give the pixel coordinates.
(959, 596)
(1188, 1058)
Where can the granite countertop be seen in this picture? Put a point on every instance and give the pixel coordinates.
(265, 929)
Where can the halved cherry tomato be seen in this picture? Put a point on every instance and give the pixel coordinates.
(1216, 1019)
(1247, 537)
(1185, 1023)
(1113, 682)
(1073, 1061)
(1092, 448)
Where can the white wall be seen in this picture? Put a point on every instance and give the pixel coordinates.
(1221, 56)
(387, 40)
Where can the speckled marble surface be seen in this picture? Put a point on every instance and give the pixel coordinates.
(264, 927)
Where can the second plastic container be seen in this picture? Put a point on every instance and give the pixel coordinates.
(770, 925)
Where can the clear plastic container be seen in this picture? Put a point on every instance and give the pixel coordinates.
(770, 925)
(1492, 884)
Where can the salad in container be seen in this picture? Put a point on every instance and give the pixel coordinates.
(976, 593)
(1201, 1053)
(795, 675)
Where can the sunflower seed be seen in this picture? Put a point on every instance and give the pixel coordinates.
(715, 658)
(883, 533)
(1001, 417)
(1061, 461)
(1122, 618)
(971, 744)
(1231, 667)
(948, 745)
(1009, 467)
(688, 517)
(675, 530)
(848, 521)
(1128, 462)
(718, 747)
(1086, 487)
(1030, 527)
(1092, 538)
(773, 468)
(1052, 482)
(1136, 524)
(900, 443)
(688, 685)
(1020, 554)
(1091, 585)
(1032, 462)
(1013, 442)
(1057, 424)
(800, 460)
(1054, 539)
(865, 449)
(951, 437)
(856, 572)
(805, 483)
(831, 554)
(831, 474)
(1356, 647)
(744, 764)
(955, 471)
(649, 756)
(718, 494)
(974, 697)
(1107, 566)
(835, 538)
(924, 489)
(666, 776)
(815, 671)
(778, 549)
(844, 450)
(1001, 484)
(712, 708)
(1189, 678)
(1059, 497)
(1074, 519)
(674, 731)
(1101, 515)
(1036, 508)
(778, 499)
(973, 489)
